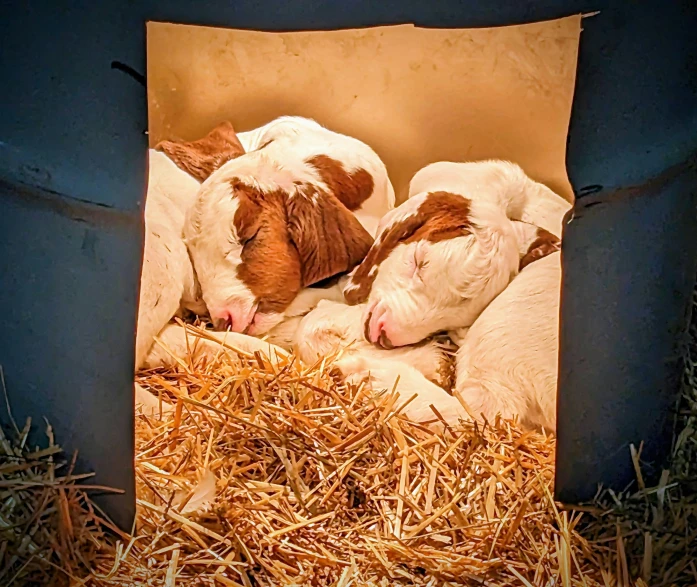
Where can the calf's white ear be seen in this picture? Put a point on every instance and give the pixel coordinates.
(329, 238)
(202, 157)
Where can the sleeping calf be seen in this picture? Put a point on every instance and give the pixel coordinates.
(333, 326)
(441, 257)
(424, 370)
(168, 283)
(282, 207)
(298, 210)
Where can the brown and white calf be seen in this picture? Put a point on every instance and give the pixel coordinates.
(454, 257)
(298, 210)
(441, 257)
(500, 182)
(424, 370)
(168, 283)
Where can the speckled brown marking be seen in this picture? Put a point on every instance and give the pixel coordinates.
(446, 368)
(441, 216)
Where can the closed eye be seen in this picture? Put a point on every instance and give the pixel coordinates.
(247, 239)
(419, 262)
(234, 246)
(420, 254)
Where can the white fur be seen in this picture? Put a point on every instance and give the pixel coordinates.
(281, 127)
(334, 329)
(308, 138)
(284, 333)
(168, 282)
(424, 287)
(507, 361)
(384, 374)
(500, 182)
(174, 342)
(335, 326)
(213, 244)
(506, 364)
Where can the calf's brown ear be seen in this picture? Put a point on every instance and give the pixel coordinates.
(329, 238)
(540, 245)
(202, 157)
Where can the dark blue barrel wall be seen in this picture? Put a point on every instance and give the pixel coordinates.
(73, 157)
(72, 182)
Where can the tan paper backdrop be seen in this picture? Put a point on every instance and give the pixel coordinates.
(415, 95)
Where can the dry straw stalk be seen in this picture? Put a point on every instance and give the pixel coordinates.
(276, 473)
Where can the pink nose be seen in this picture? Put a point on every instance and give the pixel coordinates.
(236, 317)
(223, 322)
(374, 331)
(229, 320)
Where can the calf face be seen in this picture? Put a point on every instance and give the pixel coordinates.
(260, 231)
(437, 262)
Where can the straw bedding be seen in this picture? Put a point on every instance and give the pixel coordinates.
(278, 474)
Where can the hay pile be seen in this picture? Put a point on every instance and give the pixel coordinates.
(281, 475)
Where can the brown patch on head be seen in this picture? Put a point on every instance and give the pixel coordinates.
(351, 189)
(329, 238)
(441, 216)
(270, 265)
(202, 157)
(293, 241)
(545, 244)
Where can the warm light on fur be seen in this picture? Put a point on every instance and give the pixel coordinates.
(507, 360)
(500, 182)
(297, 230)
(432, 283)
(168, 282)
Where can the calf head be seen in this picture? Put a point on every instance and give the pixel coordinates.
(259, 233)
(437, 262)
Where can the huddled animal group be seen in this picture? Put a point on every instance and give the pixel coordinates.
(290, 232)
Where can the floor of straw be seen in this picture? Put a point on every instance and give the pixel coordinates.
(270, 474)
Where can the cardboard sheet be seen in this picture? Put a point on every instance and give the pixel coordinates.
(415, 95)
